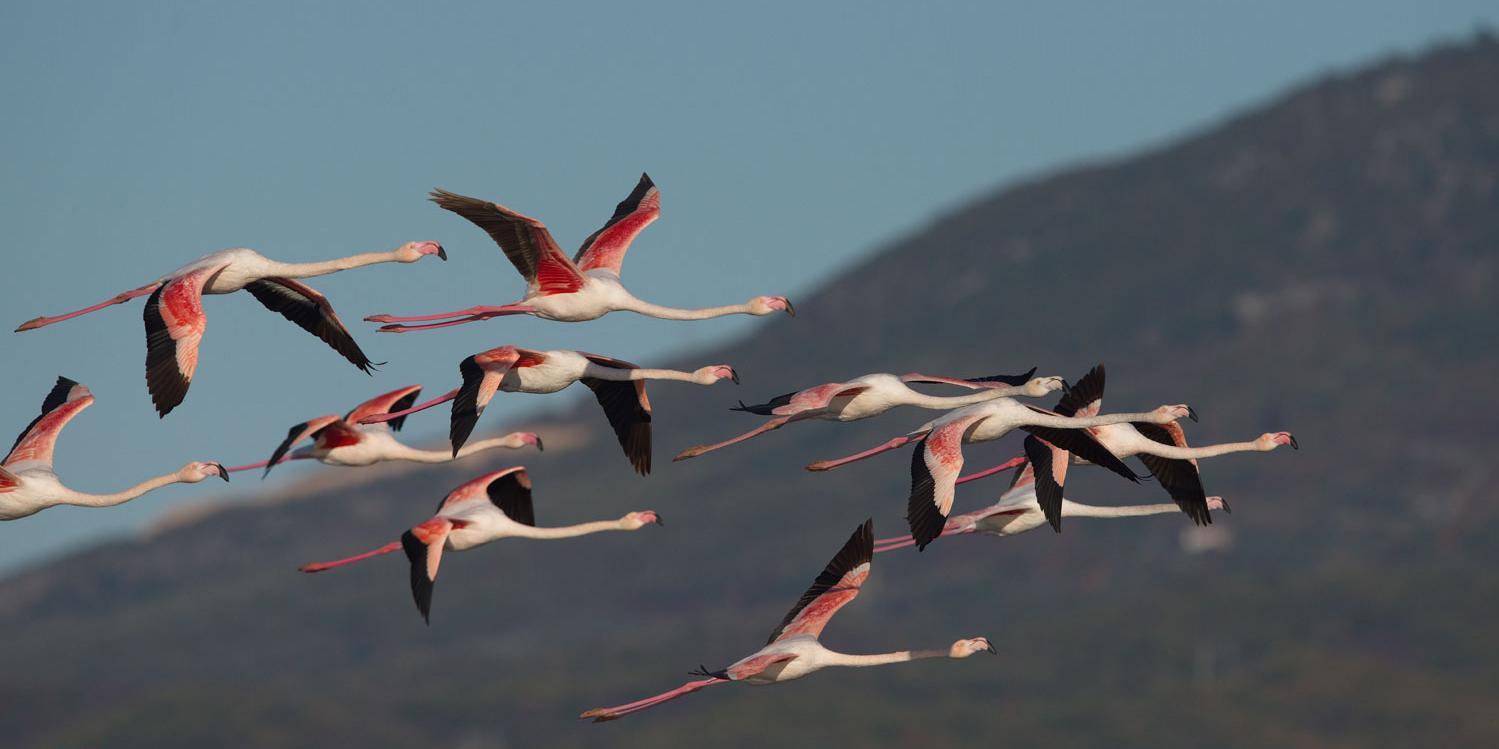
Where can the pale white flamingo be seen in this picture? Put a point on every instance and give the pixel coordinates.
(174, 312)
(586, 287)
(938, 457)
(1161, 447)
(874, 394)
(1018, 511)
(343, 441)
(618, 385)
(28, 484)
(491, 507)
(794, 650)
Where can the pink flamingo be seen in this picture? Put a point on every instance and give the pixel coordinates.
(1161, 447)
(174, 312)
(938, 458)
(874, 394)
(618, 385)
(586, 287)
(1019, 511)
(345, 442)
(491, 507)
(28, 484)
(794, 650)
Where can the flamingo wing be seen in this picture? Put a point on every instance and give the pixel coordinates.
(393, 401)
(482, 374)
(628, 409)
(835, 586)
(1178, 476)
(294, 435)
(525, 241)
(972, 383)
(511, 492)
(605, 249)
(756, 664)
(1084, 398)
(474, 490)
(174, 326)
(935, 465)
(1083, 444)
(423, 546)
(302, 305)
(1048, 466)
(8, 481)
(36, 442)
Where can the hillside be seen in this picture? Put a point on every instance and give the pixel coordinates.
(1325, 264)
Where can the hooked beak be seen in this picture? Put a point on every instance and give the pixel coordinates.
(991, 649)
(1192, 414)
(734, 375)
(659, 521)
(1226, 508)
(1066, 388)
(442, 254)
(790, 310)
(1294, 446)
(223, 474)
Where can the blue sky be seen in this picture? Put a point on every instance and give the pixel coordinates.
(788, 140)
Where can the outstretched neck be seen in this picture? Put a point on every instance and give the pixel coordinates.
(417, 455)
(310, 270)
(1075, 509)
(108, 500)
(675, 313)
(1207, 451)
(639, 373)
(569, 531)
(944, 403)
(834, 658)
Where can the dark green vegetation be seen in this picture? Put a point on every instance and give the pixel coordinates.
(1325, 265)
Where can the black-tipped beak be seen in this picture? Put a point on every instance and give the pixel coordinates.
(1294, 446)
(442, 254)
(1192, 414)
(223, 474)
(734, 375)
(659, 521)
(991, 649)
(1226, 508)
(1066, 388)
(790, 310)
(539, 448)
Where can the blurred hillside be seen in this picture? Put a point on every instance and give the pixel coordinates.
(1325, 264)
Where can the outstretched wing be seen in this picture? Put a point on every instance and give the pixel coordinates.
(972, 383)
(628, 409)
(395, 400)
(423, 546)
(1178, 476)
(35, 443)
(511, 492)
(311, 312)
(174, 326)
(836, 585)
(1048, 466)
(935, 465)
(482, 374)
(1085, 397)
(294, 435)
(605, 249)
(524, 240)
(1082, 443)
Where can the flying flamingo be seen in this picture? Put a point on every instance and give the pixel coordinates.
(938, 458)
(1019, 511)
(174, 312)
(27, 483)
(1161, 447)
(874, 394)
(345, 442)
(618, 385)
(586, 287)
(794, 650)
(491, 507)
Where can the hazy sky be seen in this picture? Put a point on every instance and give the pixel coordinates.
(787, 139)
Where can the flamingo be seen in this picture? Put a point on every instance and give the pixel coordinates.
(874, 394)
(1161, 447)
(1018, 511)
(491, 507)
(618, 385)
(586, 287)
(794, 650)
(174, 312)
(28, 484)
(938, 458)
(345, 442)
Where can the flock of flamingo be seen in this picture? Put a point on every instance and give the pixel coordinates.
(498, 504)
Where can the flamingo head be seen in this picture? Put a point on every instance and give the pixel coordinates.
(521, 439)
(1217, 503)
(764, 305)
(1271, 440)
(414, 251)
(715, 372)
(196, 471)
(1040, 386)
(965, 648)
(1168, 414)
(637, 520)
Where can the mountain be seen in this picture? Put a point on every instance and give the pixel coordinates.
(1325, 264)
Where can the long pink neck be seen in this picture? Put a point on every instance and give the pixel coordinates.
(109, 500)
(675, 313)
(323, 268)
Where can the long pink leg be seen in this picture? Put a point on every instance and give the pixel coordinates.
(828, 465)
(891, 544)
(120, 298)
(320, 566)
(773, 424)
(477, 314)
(263, 463)
(601, 714)
(478, 310)
(1005, 466)
(439, 400)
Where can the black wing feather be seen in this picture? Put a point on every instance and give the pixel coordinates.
(631, 421)
(421, 587)
(1019, 379)
(1048, 489)
(1082, 444)
(765, 409)
(1083, 392)
(857, 550)
(57, 396)
(312, 315)
(922, 515)
(623, 209)
(512, 494)
(164, 380)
